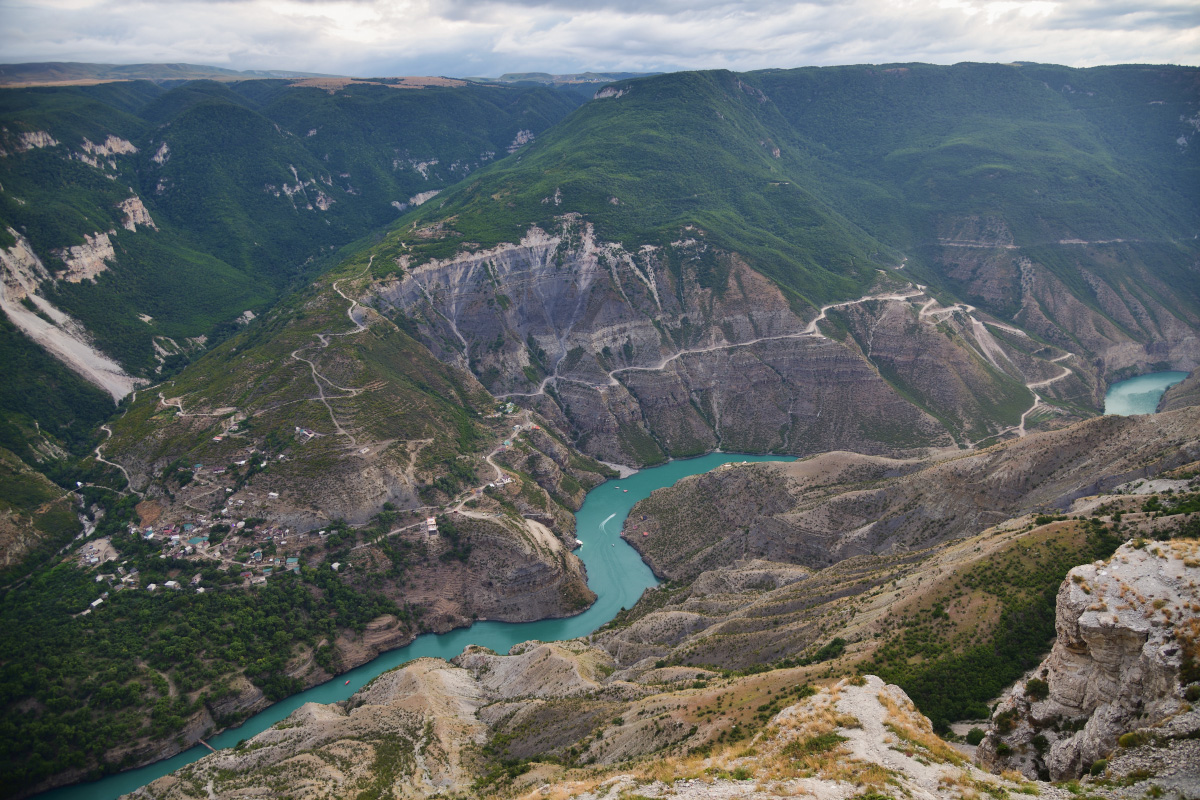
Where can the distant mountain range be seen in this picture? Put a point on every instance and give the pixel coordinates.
(76, 72)
(63, 73)
(557, 79)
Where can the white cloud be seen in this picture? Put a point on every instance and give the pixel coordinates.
(487, 37)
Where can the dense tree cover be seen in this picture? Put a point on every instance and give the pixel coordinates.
(816, 175)
(73, 687)
(247, 204)
(38, 388)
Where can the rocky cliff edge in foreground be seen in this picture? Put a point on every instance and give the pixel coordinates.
(1114, 697)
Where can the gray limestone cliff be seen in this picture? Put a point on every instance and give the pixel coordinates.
(1119, 672)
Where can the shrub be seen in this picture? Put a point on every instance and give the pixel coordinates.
(975, 736)
(1003, 749)
(1133, 739)
(813, 744)
(1098, 767)
(1037, 689)
(1192, 693)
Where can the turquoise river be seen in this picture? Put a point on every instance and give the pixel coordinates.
(615, 572)
(1139, 395)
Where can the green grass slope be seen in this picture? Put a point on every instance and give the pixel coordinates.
(246, 202)
(671, 151)
(818, 175)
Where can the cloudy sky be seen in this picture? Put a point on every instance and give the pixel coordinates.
(490, 37)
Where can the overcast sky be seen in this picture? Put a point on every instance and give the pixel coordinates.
(490, 37)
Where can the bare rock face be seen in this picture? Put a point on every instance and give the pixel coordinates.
(87, 260)
(1182, 395)
(1124, 628)
(669, 351)
(134, 213)
(406, 732)
(652, 353)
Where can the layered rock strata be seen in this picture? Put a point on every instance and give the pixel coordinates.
(1127, 636)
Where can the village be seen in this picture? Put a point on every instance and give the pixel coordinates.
(237, 537)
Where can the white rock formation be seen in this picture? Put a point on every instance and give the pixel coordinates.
(32, 139)
(422, 197)
(21, 271)
(86, 261)
(111, 146)
(1114, 667)
(522, 138)
(135, 214)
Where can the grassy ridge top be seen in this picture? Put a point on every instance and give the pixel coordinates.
(661, 154)
(819, 175)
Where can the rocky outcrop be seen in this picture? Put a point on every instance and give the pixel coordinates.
(30, 140)
(1182, 395)
(413, 733)
(1125, 649)
(111, 146)
(134, 213)
(409, 729)
(85, 261)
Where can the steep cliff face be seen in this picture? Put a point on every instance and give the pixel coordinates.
(1118, 312)
(1125, 652)
(676, 350)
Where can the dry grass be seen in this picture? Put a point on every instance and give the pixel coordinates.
(914, 729)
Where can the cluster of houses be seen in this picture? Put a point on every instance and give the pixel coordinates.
(507, 408)
(121, 579)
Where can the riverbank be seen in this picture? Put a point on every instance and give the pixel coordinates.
(615, 573)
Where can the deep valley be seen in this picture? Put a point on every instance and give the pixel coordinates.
(301, 367)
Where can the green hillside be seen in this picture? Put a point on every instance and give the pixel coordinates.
(246, 203)
(675, 150)
(1056, 153)
(818, 175)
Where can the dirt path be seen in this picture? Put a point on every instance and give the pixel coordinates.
(1037, 400)
(808, 332)
(100, 457)
(987, 347)
(324, 339)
